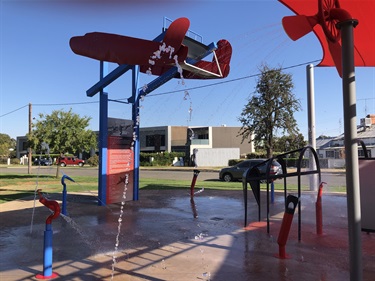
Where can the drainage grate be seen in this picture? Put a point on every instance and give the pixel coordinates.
(216, 219)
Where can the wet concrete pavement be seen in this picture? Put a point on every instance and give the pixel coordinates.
(161, 240)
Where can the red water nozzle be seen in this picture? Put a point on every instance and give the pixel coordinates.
(50, 204)
(320, 192)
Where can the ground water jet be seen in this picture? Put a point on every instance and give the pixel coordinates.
(64, 195)
(54, 207)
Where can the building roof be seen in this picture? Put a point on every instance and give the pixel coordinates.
(323, 142)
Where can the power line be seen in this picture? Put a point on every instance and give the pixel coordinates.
(58, 104)
(227, 81)
(165, 93)
(50, 104)
(14, 110)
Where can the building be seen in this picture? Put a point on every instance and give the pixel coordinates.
(215, 145)
(177, 138)
(332, 148)
(181, 139)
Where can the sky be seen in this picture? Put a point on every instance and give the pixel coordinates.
(38, 67)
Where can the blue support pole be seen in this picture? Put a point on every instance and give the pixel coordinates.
(47, 258)
(103, 141)
(272, 192)
(136, 124)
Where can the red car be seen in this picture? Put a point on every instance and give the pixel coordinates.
(70, 160)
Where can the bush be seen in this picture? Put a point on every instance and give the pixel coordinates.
(232, 162)
(160, 158)
(256, 155)
(4, 160)
(14, 161)
(93, 161)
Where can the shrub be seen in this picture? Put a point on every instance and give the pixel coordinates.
(14, 161)
(232, 162)
(93, 161)
(159, 158)
(256, 155)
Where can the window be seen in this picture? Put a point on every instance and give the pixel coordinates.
(330, 154)
(24, 145)
(362, 154)
(154, 140)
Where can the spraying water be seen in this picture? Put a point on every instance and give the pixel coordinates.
(114, 255)
(44, 148)
(80, 232)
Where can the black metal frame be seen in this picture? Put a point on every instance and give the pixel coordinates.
(253, 177)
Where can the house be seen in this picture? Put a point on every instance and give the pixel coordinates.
(332, 148)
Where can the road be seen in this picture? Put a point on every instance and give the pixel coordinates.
(333, 179)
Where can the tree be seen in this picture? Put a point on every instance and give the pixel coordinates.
(289, 143)
(6, 143)
(62, 132)
(270, 109)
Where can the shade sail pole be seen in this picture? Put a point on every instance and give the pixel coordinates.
(311, 124)
(351, 149)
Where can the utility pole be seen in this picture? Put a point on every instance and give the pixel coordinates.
(29, 148)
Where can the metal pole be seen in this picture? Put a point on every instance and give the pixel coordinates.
(103, 141)
(30, 151)
(311, 124)
(136, 124)
(351, 149)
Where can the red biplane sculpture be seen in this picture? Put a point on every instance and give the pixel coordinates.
(157, 57)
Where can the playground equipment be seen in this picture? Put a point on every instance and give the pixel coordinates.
(193, 181)
(318, 210)
(47, 257)
(291, 204)
(340, 50)
(172, 54)
(253, 177)
(64, 199)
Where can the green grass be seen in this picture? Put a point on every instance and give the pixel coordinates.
(14, 186)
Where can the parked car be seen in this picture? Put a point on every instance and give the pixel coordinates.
(43, 161)
(70, 160)
(236, 172)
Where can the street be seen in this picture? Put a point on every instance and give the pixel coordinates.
(333, 179)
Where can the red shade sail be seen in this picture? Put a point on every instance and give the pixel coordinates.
(321, 16)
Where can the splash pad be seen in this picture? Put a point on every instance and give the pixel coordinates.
(162, 228)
